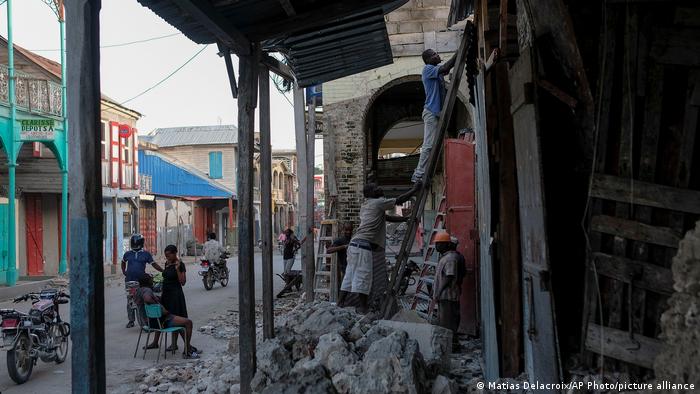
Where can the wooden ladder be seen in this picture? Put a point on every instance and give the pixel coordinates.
(423, 299)
(388, 307)
(326, 278)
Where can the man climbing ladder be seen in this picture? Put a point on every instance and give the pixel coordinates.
(435, 92)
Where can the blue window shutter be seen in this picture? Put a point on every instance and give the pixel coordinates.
(215, 165)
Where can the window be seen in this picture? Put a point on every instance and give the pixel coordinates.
(104, 140)
(127, 224)
(215, 165)
(126, 156)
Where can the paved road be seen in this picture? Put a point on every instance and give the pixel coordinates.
(121, 342)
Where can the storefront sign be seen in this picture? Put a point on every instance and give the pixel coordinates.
(37, 130)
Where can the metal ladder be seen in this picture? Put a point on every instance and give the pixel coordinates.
(423, 299)
(326, 277)
(389, 305)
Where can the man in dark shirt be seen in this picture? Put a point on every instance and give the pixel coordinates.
(340, 246)
(134, 267)
(291, 245)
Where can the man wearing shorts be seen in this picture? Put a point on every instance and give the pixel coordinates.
(366, 272)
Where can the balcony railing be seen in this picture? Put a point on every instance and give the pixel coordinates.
(33, 95)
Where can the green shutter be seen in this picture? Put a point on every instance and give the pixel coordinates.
(215, 165)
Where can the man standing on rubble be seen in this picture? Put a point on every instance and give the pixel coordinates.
(448, 283)
(434, 85)
(366, 272)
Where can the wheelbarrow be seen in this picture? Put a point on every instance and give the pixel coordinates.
(293, 279)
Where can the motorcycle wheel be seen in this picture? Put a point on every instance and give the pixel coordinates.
(19, 362)
(208, 281)
(223, 278)
(60, 338)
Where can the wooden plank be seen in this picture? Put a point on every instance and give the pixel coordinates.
(210, 19)
(247, 99)
(677, 45)
(610, 187)
(307, 250)
(639, 350)
(278, 67)
(266, 202)
(633, 230)
(639, 273)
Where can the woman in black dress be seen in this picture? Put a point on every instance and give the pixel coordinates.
(173, 299)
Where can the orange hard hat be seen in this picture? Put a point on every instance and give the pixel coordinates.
(442, 236)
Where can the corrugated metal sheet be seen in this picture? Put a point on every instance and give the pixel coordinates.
(350, 38)
(196, 135)
(171, 178)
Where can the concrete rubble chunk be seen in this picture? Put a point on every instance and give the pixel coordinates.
(273, 359)
(312, 380)
(443, 385)
(333, 353)
(435, 342)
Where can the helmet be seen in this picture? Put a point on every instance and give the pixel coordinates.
(442, 236)
(137, 242)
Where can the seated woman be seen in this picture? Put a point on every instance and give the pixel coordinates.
(145, 296)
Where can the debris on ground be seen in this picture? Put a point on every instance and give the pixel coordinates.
(226, 325)
(320, 348)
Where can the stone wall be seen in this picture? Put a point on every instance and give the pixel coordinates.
(679, 361)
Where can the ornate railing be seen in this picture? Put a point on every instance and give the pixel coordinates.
(33, 95)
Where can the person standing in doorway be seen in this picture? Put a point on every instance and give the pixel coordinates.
(134, 267)
(448, 283)
(434, 86)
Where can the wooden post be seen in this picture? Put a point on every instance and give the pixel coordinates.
(300, 131)
(309, 264)
(266, 201)
(115, 242)
(247, 95)
(86, 272)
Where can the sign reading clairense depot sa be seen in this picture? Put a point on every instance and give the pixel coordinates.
(37, 130)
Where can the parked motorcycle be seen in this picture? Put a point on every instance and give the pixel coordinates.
(214, 271)
(39, 334)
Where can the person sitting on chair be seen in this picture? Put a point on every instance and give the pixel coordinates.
(145, 296)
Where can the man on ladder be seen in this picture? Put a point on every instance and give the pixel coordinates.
(366, 273)
(434, 86)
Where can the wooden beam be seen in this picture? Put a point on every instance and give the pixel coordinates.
(278, 67)
(614, 188)
(226, 52)
(266, 203)
(302, 169)
(288, 7)
(639, 273)
(639, 350)
(558, 93)
(85, 188)
(309, 266)
(633, 230)
(246, 216)
(220, 27)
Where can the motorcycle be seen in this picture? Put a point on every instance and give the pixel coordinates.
(39, 334)
(213, 271)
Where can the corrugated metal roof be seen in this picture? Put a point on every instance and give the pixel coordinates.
(195, 135)
(324, 40)
(170, 177)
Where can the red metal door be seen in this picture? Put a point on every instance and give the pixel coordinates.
(34, 235)
(460, 191)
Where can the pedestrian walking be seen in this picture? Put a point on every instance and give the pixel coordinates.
(291, 246)
(134, 267)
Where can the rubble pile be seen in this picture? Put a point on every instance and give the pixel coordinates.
(320, 348)
(226, 326)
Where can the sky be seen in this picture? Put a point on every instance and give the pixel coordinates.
(198, 94)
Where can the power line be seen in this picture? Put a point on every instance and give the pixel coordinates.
(117, 45)
(167, 77)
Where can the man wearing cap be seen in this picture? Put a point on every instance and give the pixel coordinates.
(448, 282)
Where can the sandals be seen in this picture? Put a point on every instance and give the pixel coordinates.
(172, 348)
(191, 355)
(151, 346)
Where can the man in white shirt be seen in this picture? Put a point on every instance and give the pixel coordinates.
(213, 249)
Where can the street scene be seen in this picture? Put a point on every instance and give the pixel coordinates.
(386, 196)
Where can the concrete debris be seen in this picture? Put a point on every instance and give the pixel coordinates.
(679, 359)
(435, 342)
(320, 348)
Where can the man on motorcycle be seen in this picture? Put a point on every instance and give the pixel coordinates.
(212, 249)
(134, 267)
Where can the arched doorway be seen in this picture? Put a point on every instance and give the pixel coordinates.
(394, 132)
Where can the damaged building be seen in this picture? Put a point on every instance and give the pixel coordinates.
(585, 121)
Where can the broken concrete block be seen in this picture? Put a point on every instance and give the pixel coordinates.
(233, 345)
(273, 359)
(333, 353)
(343, 383)
(435, 342)
(408, 316)
(444, 385)
(312, 380)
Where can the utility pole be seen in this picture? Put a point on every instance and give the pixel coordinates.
(266, 201)
(12, 156)
(300, 131)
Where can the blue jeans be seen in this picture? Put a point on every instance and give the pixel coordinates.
(430, 130)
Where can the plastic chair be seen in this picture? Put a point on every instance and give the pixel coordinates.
(155, 311)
